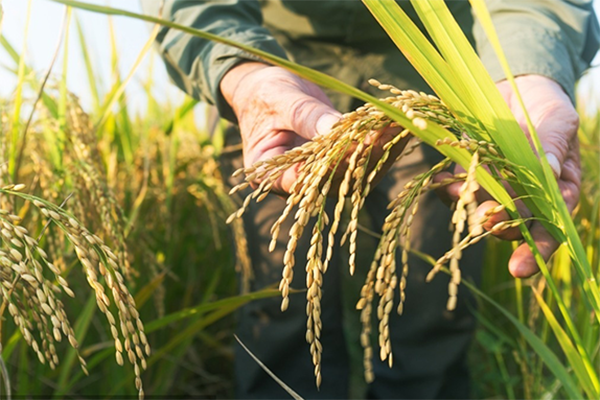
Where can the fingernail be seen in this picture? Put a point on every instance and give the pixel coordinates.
(554, 164)
(325, 123)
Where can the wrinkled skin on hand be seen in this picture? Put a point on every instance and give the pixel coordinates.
(556, 122)
(277, 111)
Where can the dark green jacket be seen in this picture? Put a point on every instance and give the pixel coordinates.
(554, 38)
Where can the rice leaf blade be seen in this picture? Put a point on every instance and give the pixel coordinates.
(565, 221)
(18, 102)
(487, 104)
(236, 301)
(87, 59)
(545, 353)
(578, 358)
(81, 327)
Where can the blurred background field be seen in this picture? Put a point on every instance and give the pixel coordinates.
(155, 178)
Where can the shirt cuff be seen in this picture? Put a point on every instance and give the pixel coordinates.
(224, 57)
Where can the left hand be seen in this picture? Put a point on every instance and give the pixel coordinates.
(556, 122)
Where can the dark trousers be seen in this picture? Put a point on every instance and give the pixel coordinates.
(429, 344)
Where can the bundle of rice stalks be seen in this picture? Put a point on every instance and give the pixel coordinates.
(33, 278)
(350, 146)
(31, 296)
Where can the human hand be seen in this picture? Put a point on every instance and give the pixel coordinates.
(556, 122)
(277, 111)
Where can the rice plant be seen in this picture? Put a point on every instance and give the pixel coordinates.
(397, 122)
(354, 139)
(31, 298)
(107, 169)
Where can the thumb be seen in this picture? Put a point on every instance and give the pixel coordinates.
(555, 164)
(555, 138)
(554, 116)
(309, 117)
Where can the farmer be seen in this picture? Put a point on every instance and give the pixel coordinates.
(548, 44)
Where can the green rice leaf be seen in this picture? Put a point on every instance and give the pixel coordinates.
(236, 302)
(564, 219)
(87, 59)
(545, 353)
(578, 358)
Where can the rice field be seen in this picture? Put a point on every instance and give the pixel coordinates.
(98, 297)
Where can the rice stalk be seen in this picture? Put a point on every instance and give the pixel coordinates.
(88, 170)
(349, 147)
(31, 297)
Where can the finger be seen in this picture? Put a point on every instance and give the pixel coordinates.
(556, 133)
(451, 192)
(522, 263)
(287, 180)
(269, 146)
(552, 113)
(555, 139)
(492, 214)
(570, 179)
(447, 193)
(386, 135)
(308, 116)
(383, 137)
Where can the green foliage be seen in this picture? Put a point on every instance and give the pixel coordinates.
(146, 166)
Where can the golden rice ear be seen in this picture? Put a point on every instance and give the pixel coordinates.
(349, 145)
(88, 172)
(98, 260)
(31, 297)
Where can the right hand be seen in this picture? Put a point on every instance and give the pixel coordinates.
(277, 111)
(556, 122)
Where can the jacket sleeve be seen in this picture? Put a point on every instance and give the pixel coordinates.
(197, 65)
(554, 38)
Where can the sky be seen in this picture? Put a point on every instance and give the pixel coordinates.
(43, 35)
(42, 38)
